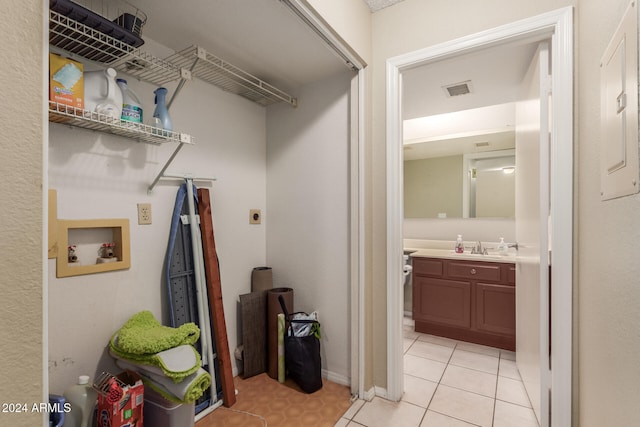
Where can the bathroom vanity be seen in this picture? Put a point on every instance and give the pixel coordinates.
(465, 297)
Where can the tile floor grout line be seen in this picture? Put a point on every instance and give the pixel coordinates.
(493, 413)
(513, 403)
(455, 418)
(469, 391)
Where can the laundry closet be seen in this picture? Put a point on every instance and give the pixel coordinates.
(263, 137)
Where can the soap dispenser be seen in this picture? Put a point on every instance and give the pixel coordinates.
(459, 248)
(502, 247)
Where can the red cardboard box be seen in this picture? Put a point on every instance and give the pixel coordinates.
(120, 401)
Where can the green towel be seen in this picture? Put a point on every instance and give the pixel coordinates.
(143, 334)
(176, 363)
(188, 390)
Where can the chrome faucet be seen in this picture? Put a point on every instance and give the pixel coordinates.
(479, 249)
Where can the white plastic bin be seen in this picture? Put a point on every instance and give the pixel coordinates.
(160, 412)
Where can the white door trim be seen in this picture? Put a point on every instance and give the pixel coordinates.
(558, 25)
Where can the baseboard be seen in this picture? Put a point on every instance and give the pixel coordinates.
(380, 392)
(369, 394)
(336, 378)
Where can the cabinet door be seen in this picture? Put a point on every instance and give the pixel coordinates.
(496, 308)
(447, 302)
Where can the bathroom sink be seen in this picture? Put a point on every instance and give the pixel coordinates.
(490, 255)
(451, 254)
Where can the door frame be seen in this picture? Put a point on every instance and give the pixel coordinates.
(557, 25)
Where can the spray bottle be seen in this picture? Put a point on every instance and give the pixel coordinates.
(161, 118)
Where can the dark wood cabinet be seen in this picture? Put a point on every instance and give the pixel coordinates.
(466, 300)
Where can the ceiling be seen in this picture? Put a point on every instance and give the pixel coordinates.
(266, 39)
(495, 75)
(262, 37)
(376, 5)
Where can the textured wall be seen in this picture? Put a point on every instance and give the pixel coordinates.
(21, 208)
(608, 236)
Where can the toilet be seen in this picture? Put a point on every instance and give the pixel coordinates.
(407, 268)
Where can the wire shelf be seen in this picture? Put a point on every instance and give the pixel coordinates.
(86, 42)
(65, 114)
(226, 76)
(93, 45)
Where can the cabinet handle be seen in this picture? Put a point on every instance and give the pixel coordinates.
(473, 271)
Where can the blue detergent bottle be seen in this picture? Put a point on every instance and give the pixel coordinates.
(161, 113)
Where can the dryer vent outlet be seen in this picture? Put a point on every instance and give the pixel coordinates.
(255, 217)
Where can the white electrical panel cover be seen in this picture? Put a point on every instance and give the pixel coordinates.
(619, 110)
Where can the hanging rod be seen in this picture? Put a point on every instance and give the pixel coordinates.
(164, 175)
(187, 176)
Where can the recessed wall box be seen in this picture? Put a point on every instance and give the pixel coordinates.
(619, 110)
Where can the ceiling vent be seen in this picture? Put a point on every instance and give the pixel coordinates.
(458, 89)
(482, 144)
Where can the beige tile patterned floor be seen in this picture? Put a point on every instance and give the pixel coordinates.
(450, 383)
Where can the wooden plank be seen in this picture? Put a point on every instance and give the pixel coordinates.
(214, 289)
(53, 225)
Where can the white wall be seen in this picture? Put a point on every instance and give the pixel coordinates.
(351, 19)
(307, 210)
(102, 176)
(472, 229)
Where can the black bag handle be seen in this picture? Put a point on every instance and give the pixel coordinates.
(289, 316)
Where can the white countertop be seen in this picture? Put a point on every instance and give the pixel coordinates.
(466, 256)
(444, 249)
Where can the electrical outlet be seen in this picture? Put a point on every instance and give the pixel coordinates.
(144, 213)
(255, 217)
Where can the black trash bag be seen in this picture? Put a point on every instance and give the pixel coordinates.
(302, 355)
(302, 362)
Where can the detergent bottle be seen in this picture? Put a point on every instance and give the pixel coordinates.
(131, 105)
(102, 94)
(82, 397)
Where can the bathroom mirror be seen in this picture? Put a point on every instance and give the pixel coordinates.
(466, 177)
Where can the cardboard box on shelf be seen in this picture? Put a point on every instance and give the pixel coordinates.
(66, 81)
(121, 401)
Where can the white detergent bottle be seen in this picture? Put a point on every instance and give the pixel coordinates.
(83, 398)
(131, 105)
(102, 94)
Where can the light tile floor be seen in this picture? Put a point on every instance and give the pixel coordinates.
(450, 383)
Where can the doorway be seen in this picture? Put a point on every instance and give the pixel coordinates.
(556, 26)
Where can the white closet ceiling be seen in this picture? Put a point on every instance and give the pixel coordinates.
(263, 37)
(376, 5)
